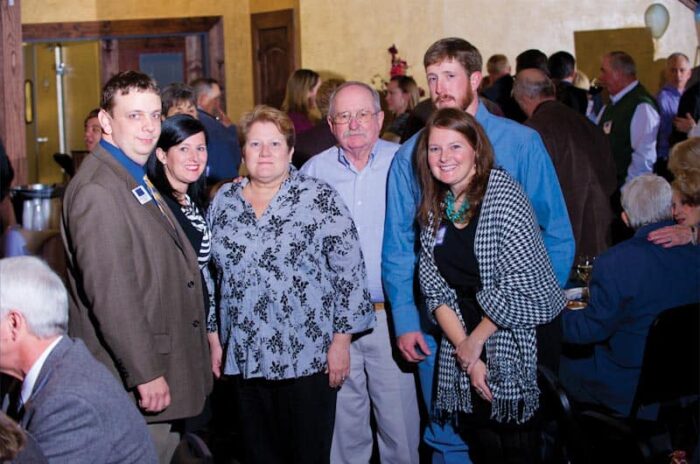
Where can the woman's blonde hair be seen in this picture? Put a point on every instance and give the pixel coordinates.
(264, 113)
(684, 163)
(296, 98)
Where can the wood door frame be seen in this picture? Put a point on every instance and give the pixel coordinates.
(269, 20)
(109, 31)
(12, 127)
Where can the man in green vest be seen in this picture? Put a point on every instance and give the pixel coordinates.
(631, 121)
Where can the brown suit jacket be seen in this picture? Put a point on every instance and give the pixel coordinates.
(135, 287)
(582, 158)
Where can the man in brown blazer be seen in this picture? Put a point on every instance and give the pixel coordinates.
(135, 288)
(581, 156)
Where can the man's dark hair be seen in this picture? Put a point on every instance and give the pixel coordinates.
(531, 59)
(175, 93)
(561, 65)
(454, 48)
(92, 114)
(124, 82)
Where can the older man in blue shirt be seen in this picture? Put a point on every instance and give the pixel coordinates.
(632, 283)
(453, 68)
(357, 168)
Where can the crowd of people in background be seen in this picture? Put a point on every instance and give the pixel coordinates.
(372, 283)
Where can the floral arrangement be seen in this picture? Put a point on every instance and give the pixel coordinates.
(398, 66)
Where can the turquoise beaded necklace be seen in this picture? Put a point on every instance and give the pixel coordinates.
(457, 217)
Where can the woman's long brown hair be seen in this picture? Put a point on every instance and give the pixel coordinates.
(434, 191)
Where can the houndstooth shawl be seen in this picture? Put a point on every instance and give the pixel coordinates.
(519, 291)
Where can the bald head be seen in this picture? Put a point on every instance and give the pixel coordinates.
(530, 88)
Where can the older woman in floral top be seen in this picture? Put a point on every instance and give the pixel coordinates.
(291, 288)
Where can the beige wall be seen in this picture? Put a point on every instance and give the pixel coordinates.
(235, 13)
(351, 38)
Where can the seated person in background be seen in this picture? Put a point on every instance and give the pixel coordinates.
(319, 138)
(632, 283)
(684, 164)
(93, 130)
(178, 98)
(70, 403)
(402, 96)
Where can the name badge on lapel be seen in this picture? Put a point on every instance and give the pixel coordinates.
(440, 236)
(142, 194)
(607, 127)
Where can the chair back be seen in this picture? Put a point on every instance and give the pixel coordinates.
(670, 367)
(562, 440)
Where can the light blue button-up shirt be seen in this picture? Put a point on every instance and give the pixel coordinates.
(520, 151)
(364, 193)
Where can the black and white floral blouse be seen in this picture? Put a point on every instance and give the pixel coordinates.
(285, 282)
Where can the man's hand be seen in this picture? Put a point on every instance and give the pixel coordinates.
(216, 353)
(339, 359)
(154, 396)
(407, 344)
(684, 124)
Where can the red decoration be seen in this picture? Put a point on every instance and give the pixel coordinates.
(398, 66)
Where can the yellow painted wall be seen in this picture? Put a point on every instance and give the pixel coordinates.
(264, 6)
(80, 88)
(351, 38)
(81, 93)
(235, 13)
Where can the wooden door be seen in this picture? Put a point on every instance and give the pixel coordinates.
(274, 55)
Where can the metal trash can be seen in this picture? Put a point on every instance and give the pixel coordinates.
(37, 206)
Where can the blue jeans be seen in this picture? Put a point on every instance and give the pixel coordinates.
(448, 447)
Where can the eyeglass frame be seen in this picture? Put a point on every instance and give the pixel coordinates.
(360, 119)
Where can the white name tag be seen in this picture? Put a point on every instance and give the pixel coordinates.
(440, 236)
(141, 194)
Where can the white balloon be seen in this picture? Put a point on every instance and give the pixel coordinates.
(656, 18)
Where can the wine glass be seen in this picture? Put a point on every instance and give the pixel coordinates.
(584, 268)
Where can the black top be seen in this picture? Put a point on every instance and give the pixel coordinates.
(193, 235)
(456, 261)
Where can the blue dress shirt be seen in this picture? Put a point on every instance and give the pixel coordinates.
(667, 99)
(520, 151)
(136, 170)
(364, 193)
